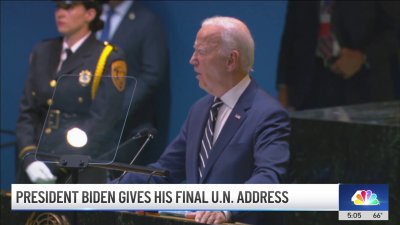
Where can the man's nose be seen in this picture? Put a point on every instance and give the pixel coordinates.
(193, 60)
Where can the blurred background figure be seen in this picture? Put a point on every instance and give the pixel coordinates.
(96, 108)
(139, 33)
(337, 53)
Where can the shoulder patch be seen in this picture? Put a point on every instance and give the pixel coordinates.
(118, 73)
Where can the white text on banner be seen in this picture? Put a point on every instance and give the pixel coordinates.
(236, 197)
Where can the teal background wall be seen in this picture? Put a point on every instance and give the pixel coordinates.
(24, 23)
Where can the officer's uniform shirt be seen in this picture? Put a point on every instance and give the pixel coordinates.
(73, 49)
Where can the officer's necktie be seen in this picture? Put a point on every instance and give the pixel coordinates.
(64, 56)
(105, 34)
(68, 53)
(208, 136)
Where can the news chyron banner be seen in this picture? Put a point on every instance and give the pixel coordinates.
(353, 201)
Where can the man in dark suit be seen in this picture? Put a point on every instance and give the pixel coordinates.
(88, 77)
(236, 134)
(361, 68)
(139, 33)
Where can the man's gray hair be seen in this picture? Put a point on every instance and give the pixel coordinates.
(235, 36)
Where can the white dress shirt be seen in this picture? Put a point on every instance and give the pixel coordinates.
(229, 99)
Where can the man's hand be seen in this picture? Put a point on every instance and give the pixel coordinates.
(214, 217)
(349, 63)
(38, 172)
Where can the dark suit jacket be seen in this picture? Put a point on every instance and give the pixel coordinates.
(144, 44)
(251, 148)
(365, 26)
(95, 116)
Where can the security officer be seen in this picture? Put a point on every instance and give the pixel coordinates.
(87, 100)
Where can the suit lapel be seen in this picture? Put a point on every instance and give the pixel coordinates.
(78, 58)
(232, 124)
(121, 34)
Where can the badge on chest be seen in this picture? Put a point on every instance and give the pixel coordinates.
(85, 77)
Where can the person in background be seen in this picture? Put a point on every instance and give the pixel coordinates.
(139, 33)
(337, 53)
(236, 134)
(92, 107)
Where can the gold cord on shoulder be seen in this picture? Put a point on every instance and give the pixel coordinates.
(100, 68)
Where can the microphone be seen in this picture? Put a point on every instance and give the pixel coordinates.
(150, 133)
(141, 134)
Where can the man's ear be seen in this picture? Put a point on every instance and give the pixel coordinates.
(233, 61)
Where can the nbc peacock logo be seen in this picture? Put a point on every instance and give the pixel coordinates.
(365, 197)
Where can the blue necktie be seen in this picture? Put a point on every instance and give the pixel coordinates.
(105, 34)
(208, 136)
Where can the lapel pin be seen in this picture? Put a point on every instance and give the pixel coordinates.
(237, 116)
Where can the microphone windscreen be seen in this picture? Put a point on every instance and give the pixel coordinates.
(148, 131)
(153, 131)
